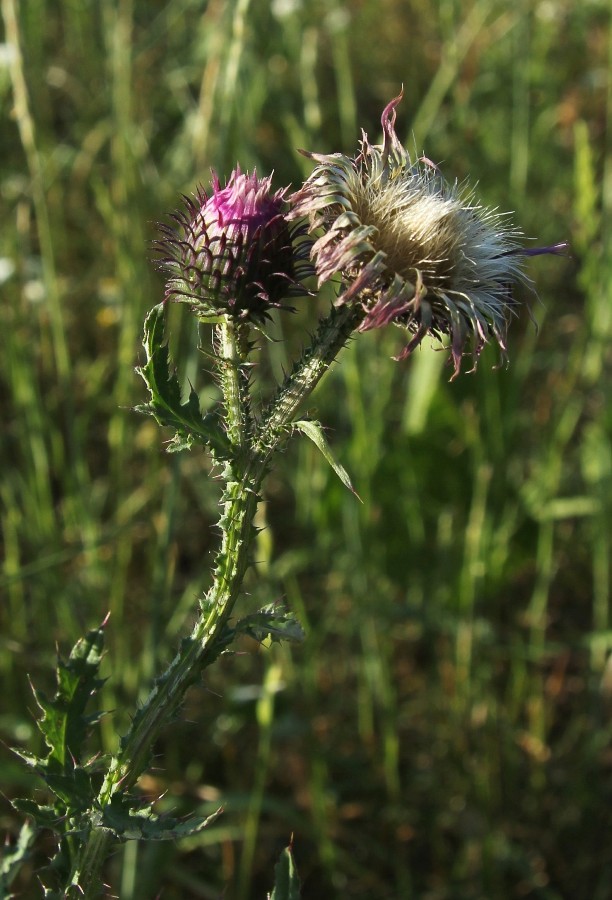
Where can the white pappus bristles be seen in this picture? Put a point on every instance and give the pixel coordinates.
(412, 248)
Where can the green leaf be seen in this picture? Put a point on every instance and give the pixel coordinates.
(166, 405)
(29, 759)
(128, 823)
(64, 725)
(275, 622)
(286, 880)
(314, 431)
(12, 858)
(43, 816)
(74, 788)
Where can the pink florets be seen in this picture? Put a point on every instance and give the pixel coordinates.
(245, 202)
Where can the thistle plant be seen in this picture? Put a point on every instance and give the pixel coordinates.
(402, 246)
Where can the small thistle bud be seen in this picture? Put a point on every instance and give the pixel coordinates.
(411, 248)
(234, 252)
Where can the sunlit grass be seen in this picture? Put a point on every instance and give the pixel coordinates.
(444, 732)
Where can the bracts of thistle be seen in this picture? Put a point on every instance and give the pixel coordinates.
(412, 249)
(234, 252)
(233, 257)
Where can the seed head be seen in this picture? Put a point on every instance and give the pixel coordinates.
(411, 248)
(234, 252)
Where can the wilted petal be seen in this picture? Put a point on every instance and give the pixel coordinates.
(411, 248)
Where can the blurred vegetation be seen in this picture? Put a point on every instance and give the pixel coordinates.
(444, 732)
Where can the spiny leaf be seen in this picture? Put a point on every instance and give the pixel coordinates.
(286, 880)
(166, 404)
(275, 622)
(74, 788)
(314, 431)
(43, 816)
(29, 759)
(56, 876)
(128, 823)
(64, 726)
(12, 858)
(63, 723)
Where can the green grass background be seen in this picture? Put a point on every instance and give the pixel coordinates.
(444, 731)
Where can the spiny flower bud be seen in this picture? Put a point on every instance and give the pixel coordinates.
(411, 248)
(234, 252)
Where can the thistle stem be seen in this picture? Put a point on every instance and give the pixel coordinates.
(244, 476)
(332, 334)
(232, 351)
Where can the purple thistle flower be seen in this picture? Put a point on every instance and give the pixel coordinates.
(411, 248)
(234, 252)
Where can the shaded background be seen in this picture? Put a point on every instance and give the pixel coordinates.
(444, 731)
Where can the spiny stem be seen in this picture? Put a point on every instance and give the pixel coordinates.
(244, 476)
(232, 350)
(196, 652)
(332, 334)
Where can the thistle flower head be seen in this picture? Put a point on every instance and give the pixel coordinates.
(411, 248)
(234, 252)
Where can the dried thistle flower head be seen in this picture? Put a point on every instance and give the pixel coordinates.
(411, 248)
(234, 252)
